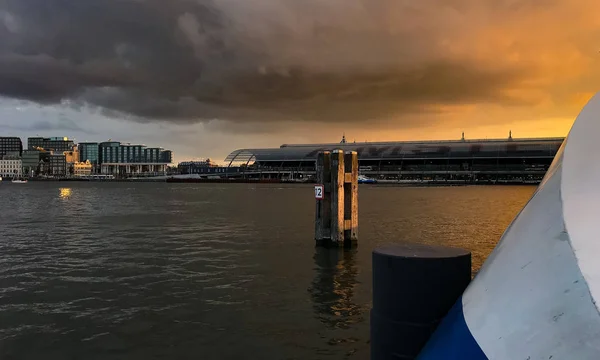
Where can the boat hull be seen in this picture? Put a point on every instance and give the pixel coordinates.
(535, 295)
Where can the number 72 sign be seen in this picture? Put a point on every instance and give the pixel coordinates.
(319, 192)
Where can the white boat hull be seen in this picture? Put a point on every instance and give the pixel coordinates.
(535, 296)
(366, 180)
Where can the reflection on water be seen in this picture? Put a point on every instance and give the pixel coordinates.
(65, 192)
(332, 289)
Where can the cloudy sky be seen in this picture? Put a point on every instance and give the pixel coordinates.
(204, 77)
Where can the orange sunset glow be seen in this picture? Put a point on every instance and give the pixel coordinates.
(218, 75)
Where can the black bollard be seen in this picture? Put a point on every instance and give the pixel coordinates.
(414, 287)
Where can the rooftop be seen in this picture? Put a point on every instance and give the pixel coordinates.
(509, 147)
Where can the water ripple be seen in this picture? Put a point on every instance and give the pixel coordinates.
(186, 271)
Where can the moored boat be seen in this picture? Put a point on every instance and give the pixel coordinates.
(366, 180)
(536, 296)
(19, 181)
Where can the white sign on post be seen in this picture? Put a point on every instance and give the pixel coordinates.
(319, 192)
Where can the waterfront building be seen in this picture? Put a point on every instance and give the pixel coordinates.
(10, 144)
(207, 170)
(72, 156)
(55, 144)
(88, 151)
(153, 154)
(44, 164)
(166, 156)
(494, 160)
(11, 167)
(31, 162)
(57, 165)
(124, 160)
(195, 167)
(113, 152)
(82, 168)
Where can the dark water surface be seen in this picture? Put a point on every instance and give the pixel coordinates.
(209, 271)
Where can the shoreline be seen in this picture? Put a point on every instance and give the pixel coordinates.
(388, 183)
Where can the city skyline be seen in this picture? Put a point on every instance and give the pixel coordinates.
(61, 157)
(217, 149)
(206, 81)
(200, 157)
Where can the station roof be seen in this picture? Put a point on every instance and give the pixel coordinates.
(501, 148)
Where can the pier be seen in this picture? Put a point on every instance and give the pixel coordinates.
(336, 194)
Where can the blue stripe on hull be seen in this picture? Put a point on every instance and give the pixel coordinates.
(452, 340)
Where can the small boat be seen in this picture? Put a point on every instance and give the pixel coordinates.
(365, 180)
(19, 181)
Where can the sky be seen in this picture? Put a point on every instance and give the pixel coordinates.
(205, 77)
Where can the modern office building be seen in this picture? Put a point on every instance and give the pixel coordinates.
(31, 162)
(166, 156)
(88, 151)
(10, 144)
(11, 168)
(124, 160)
(56, 144)
(113, 152)
(153, 154)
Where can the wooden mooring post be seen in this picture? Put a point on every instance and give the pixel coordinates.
(336, 193)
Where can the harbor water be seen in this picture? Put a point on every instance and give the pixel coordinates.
(210, 271)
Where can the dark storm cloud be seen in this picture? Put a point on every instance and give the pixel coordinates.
(251, 60)
(61, 124)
